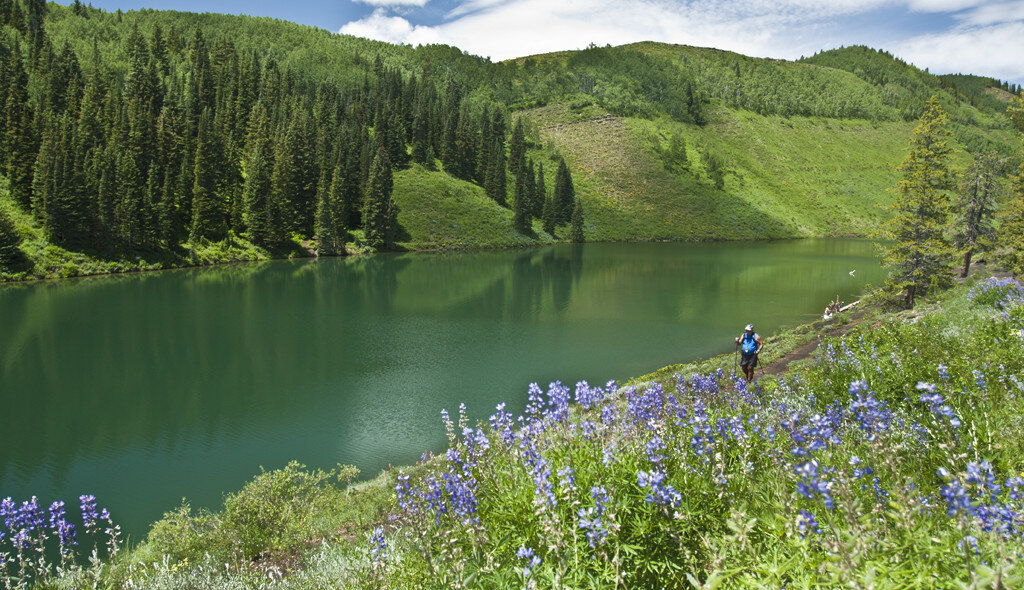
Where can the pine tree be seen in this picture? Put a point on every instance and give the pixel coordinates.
(521, 206)
(255, 193)
(540, 192)
(10, 239)
(517, 149)
(379, 211)
(19, 142)
(564, 195)
(207, 214)
(576, 233)
(713, 169)
(497, 179)
(675, 156)
(325, 226)
(979, 191)
(550, 216)
(1011, 227)
(920, 256)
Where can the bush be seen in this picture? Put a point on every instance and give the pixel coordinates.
(275, 511)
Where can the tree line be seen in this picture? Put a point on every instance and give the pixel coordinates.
(193, 139)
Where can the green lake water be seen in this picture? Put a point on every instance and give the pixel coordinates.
(150, 388)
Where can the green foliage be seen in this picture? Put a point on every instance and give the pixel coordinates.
(920, 254)
(976, 203)
(576, 233)
(714, 170)
(380, 212)
(10, 239)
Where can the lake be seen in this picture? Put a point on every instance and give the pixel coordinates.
(146, 389)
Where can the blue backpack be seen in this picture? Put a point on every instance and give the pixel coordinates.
(749, 343)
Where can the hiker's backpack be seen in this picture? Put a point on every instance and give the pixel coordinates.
(749, 343)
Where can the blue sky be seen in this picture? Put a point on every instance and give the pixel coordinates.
(983, 37)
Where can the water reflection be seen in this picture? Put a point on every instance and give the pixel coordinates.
(144, 389)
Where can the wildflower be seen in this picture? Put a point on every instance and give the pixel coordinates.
(532, 561)
(806, 523)
(379, 546)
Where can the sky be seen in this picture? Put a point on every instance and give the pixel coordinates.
(984, 37)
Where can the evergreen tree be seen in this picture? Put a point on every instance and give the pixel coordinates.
(326, 228)
(675, 156)
(19, 143)
(521, 206)
(10, 239)
(713, 169)
(550, 215)
(1011, 227)
(564, 195)
(517, 149)
(920, 256)
(576, 233)
(207, 213)
(350, 206)
(255, 193)
(379, 211)
(497, 179)
(540, 193)
(979, 190)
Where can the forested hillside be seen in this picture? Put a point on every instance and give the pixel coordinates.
(157, 138)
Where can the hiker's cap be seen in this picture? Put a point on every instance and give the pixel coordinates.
(749, 327)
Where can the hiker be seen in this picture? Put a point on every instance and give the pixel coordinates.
(752, 345)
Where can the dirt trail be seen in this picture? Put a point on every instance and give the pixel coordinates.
(781, 364)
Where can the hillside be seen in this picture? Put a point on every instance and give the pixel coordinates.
(663, 142)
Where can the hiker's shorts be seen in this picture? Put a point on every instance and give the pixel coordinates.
(748, 360)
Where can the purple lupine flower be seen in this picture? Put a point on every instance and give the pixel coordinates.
(532, 560)
(379, 545)
(57, 514)
(590, 522)
(806, 523)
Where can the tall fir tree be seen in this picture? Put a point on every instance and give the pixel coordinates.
(549, 217)
(976, 203)
(517, 149)
(207, 213)
(521, 206)
(564, 194)
(19, 143)
(325, 226)
(497, 178)
(380, 213)
(576, 231)
(1011, 227)
(541, 193)
(255, 193)
(920, 256)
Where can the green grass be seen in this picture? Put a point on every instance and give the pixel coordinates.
(440, 212)
(785, 177)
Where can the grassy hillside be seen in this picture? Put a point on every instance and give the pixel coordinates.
(806, 148)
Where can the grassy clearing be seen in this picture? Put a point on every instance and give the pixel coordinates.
(439, 212)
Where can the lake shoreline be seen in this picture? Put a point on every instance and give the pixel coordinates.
(356, 253)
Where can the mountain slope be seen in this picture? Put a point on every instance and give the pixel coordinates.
(804, 148)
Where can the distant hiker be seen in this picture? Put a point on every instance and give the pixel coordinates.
(751, 346)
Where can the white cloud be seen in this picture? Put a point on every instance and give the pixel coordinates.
(986, 51)
(504, 29)
(396, 3)
(991, 14)
(393, 29)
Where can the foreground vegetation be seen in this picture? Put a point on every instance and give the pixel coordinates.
(890, 458)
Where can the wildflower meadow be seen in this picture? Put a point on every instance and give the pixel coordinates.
(892, 458)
